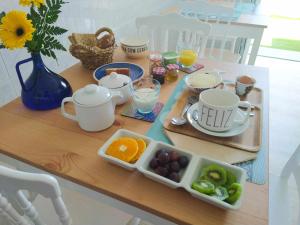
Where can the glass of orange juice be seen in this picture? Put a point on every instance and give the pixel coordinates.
(187, 55)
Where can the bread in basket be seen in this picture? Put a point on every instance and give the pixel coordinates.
(91, 50)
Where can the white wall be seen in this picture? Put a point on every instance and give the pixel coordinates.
(77, 16)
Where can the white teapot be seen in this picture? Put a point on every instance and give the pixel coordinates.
(94, 107)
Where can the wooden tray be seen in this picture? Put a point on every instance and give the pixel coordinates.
(250, 140)
(209, 149)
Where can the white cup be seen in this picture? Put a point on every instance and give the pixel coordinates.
(243, 85)
(218, 109)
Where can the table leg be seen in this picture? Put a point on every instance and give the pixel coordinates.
(255, 46)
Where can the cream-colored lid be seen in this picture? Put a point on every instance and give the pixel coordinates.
(92, 95)
(114, 80)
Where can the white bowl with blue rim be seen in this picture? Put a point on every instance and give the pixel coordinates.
(136, 72)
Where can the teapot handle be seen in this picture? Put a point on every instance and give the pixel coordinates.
(63, 111)
(19, 72)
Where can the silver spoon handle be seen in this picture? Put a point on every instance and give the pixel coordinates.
(185, 109)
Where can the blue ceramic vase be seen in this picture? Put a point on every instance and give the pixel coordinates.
(43, 89)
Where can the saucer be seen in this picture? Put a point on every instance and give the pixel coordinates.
(235, 130)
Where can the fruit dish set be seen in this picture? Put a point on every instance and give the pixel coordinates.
(215, 182)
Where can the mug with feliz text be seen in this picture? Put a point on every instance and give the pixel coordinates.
(218, 108)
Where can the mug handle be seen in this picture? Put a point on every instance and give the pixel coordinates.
(116, 96)
(63, 111)
(244, 104)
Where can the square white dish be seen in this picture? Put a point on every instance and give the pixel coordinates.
(196, 171)
(124, 133)
(148, 172)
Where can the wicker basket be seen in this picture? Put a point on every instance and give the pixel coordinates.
(91, 51)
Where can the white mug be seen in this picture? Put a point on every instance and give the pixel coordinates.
(218, 109)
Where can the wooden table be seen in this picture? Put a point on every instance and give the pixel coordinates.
(50, 142)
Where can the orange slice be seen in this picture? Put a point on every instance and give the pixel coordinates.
(124, 148)
(142, 146)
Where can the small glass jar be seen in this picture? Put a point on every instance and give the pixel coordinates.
(172, 72)
(158, 74)
(155, 60)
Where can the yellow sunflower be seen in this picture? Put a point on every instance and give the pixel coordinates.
(15, 29)
(37, 3)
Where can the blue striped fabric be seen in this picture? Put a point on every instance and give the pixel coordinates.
(256, 169)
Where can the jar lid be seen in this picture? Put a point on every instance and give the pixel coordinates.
(114, 80)
(172, 67)
(170, 55)
(159, 70)
(155, 57)
(92, 95)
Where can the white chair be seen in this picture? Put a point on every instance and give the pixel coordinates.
(16, 205)
(165, 32)
(282, 194)
(240, 43)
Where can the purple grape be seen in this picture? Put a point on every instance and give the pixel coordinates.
(174, 156)
(168, 167)
(183, 161)
(162, 171)
(159, 151)
(174, 177)
(175, 167)
(163, 158)
(154, 163)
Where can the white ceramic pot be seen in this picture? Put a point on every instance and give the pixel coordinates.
(118, 82)
(94, 107)
(135, 47)
(199, 81)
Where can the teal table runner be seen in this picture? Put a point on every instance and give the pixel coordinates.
(256, 169)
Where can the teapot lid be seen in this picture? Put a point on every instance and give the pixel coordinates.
(92, 95)
(114, 80)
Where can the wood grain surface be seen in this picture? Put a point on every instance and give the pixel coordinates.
(209, 149)
(250, 140)
(48, 141)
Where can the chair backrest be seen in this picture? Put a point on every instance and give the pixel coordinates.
(166, 31)
(223, 44)
(15, 202)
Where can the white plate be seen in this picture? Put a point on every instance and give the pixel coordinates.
(235, 130)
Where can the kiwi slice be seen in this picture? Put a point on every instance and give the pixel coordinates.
(234, 191)
(204, 186)
(231, 178)
(215, 174)
(221, 193)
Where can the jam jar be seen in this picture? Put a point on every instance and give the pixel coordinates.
(172, 72)
(158, 74)
(155, 60)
